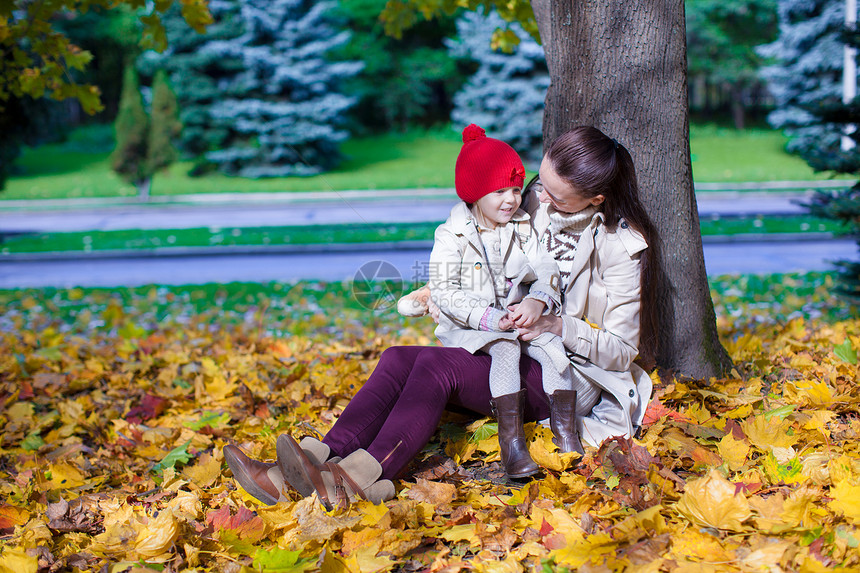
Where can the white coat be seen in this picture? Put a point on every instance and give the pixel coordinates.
(461, 280)
(600, 310)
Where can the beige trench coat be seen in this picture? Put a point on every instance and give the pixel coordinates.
(461, 281)
(600, 308)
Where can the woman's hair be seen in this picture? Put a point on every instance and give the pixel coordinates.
(595, 164)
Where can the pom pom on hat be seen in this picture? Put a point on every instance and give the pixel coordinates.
(473, 132)
(485, 165)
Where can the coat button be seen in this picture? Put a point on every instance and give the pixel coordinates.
(632, 393)
(624, 224)
(478, 266)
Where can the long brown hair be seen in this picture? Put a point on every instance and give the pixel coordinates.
(595, 164)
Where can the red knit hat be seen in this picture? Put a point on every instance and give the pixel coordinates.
(485, 165)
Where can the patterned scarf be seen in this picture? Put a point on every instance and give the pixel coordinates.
(562, 235)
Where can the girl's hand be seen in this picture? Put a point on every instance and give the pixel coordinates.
(433, 310)
(548, 323)
(506, 324)
(526, 313)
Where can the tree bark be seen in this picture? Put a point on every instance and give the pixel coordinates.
(621, 67)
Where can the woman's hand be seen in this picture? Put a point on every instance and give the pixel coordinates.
(547, 323)
(526, 313)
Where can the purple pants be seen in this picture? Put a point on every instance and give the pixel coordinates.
(398, 409)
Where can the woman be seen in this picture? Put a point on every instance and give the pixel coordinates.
(592, 221)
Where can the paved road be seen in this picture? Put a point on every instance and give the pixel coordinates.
(409, 264)
(314, 209)
(332, 208)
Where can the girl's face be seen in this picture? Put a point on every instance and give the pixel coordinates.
(498, 207)
(560, 194)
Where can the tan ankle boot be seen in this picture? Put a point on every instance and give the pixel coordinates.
(317, 452)
(508, 410)
(356, 475)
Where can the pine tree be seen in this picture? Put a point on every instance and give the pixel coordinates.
(165, 127)
(807, 72)
(506, 94)
(843, 205)
(259, 97)
(132, 129)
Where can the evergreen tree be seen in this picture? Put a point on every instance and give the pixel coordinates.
(506, 94)
(839, 205)
(406, 81)
(258, 94)
(164, 128)
(807, 71)
(197, 74)
(132, 129)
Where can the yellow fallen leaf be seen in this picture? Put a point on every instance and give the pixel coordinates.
(218, 389)
(544, 452)
(157, 537)
(765, 434)
(364, 537)
(436, 493)
(20, 412)
(798, 509)
(711, 501)
(691, 543)
(507, 565)
(372, 513)
(186, 505)
(66, 476)
(846, 500)
(580, 551)
(842, 468)
(205, 471)
(16, 560)
(464, 532)
(364, 560)
(765, 558)
(768, 511)
(815, 465)
(818, 421)
(734, 452)
(808, 392)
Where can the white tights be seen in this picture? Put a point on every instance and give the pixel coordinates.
(505, 373)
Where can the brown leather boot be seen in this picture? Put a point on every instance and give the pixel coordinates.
(260, 479)
(562, 420)
(508, 410)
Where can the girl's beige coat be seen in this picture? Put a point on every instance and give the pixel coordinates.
(461, 281)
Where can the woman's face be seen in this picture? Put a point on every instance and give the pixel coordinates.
(559, 193)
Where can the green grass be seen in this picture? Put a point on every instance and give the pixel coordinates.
(416, 159)
(722, 154)
(328, 234)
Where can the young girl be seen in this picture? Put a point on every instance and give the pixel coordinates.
(489, 275)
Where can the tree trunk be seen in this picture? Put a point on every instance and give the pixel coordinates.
(738, 111)
(143, 189)
(621, 66)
